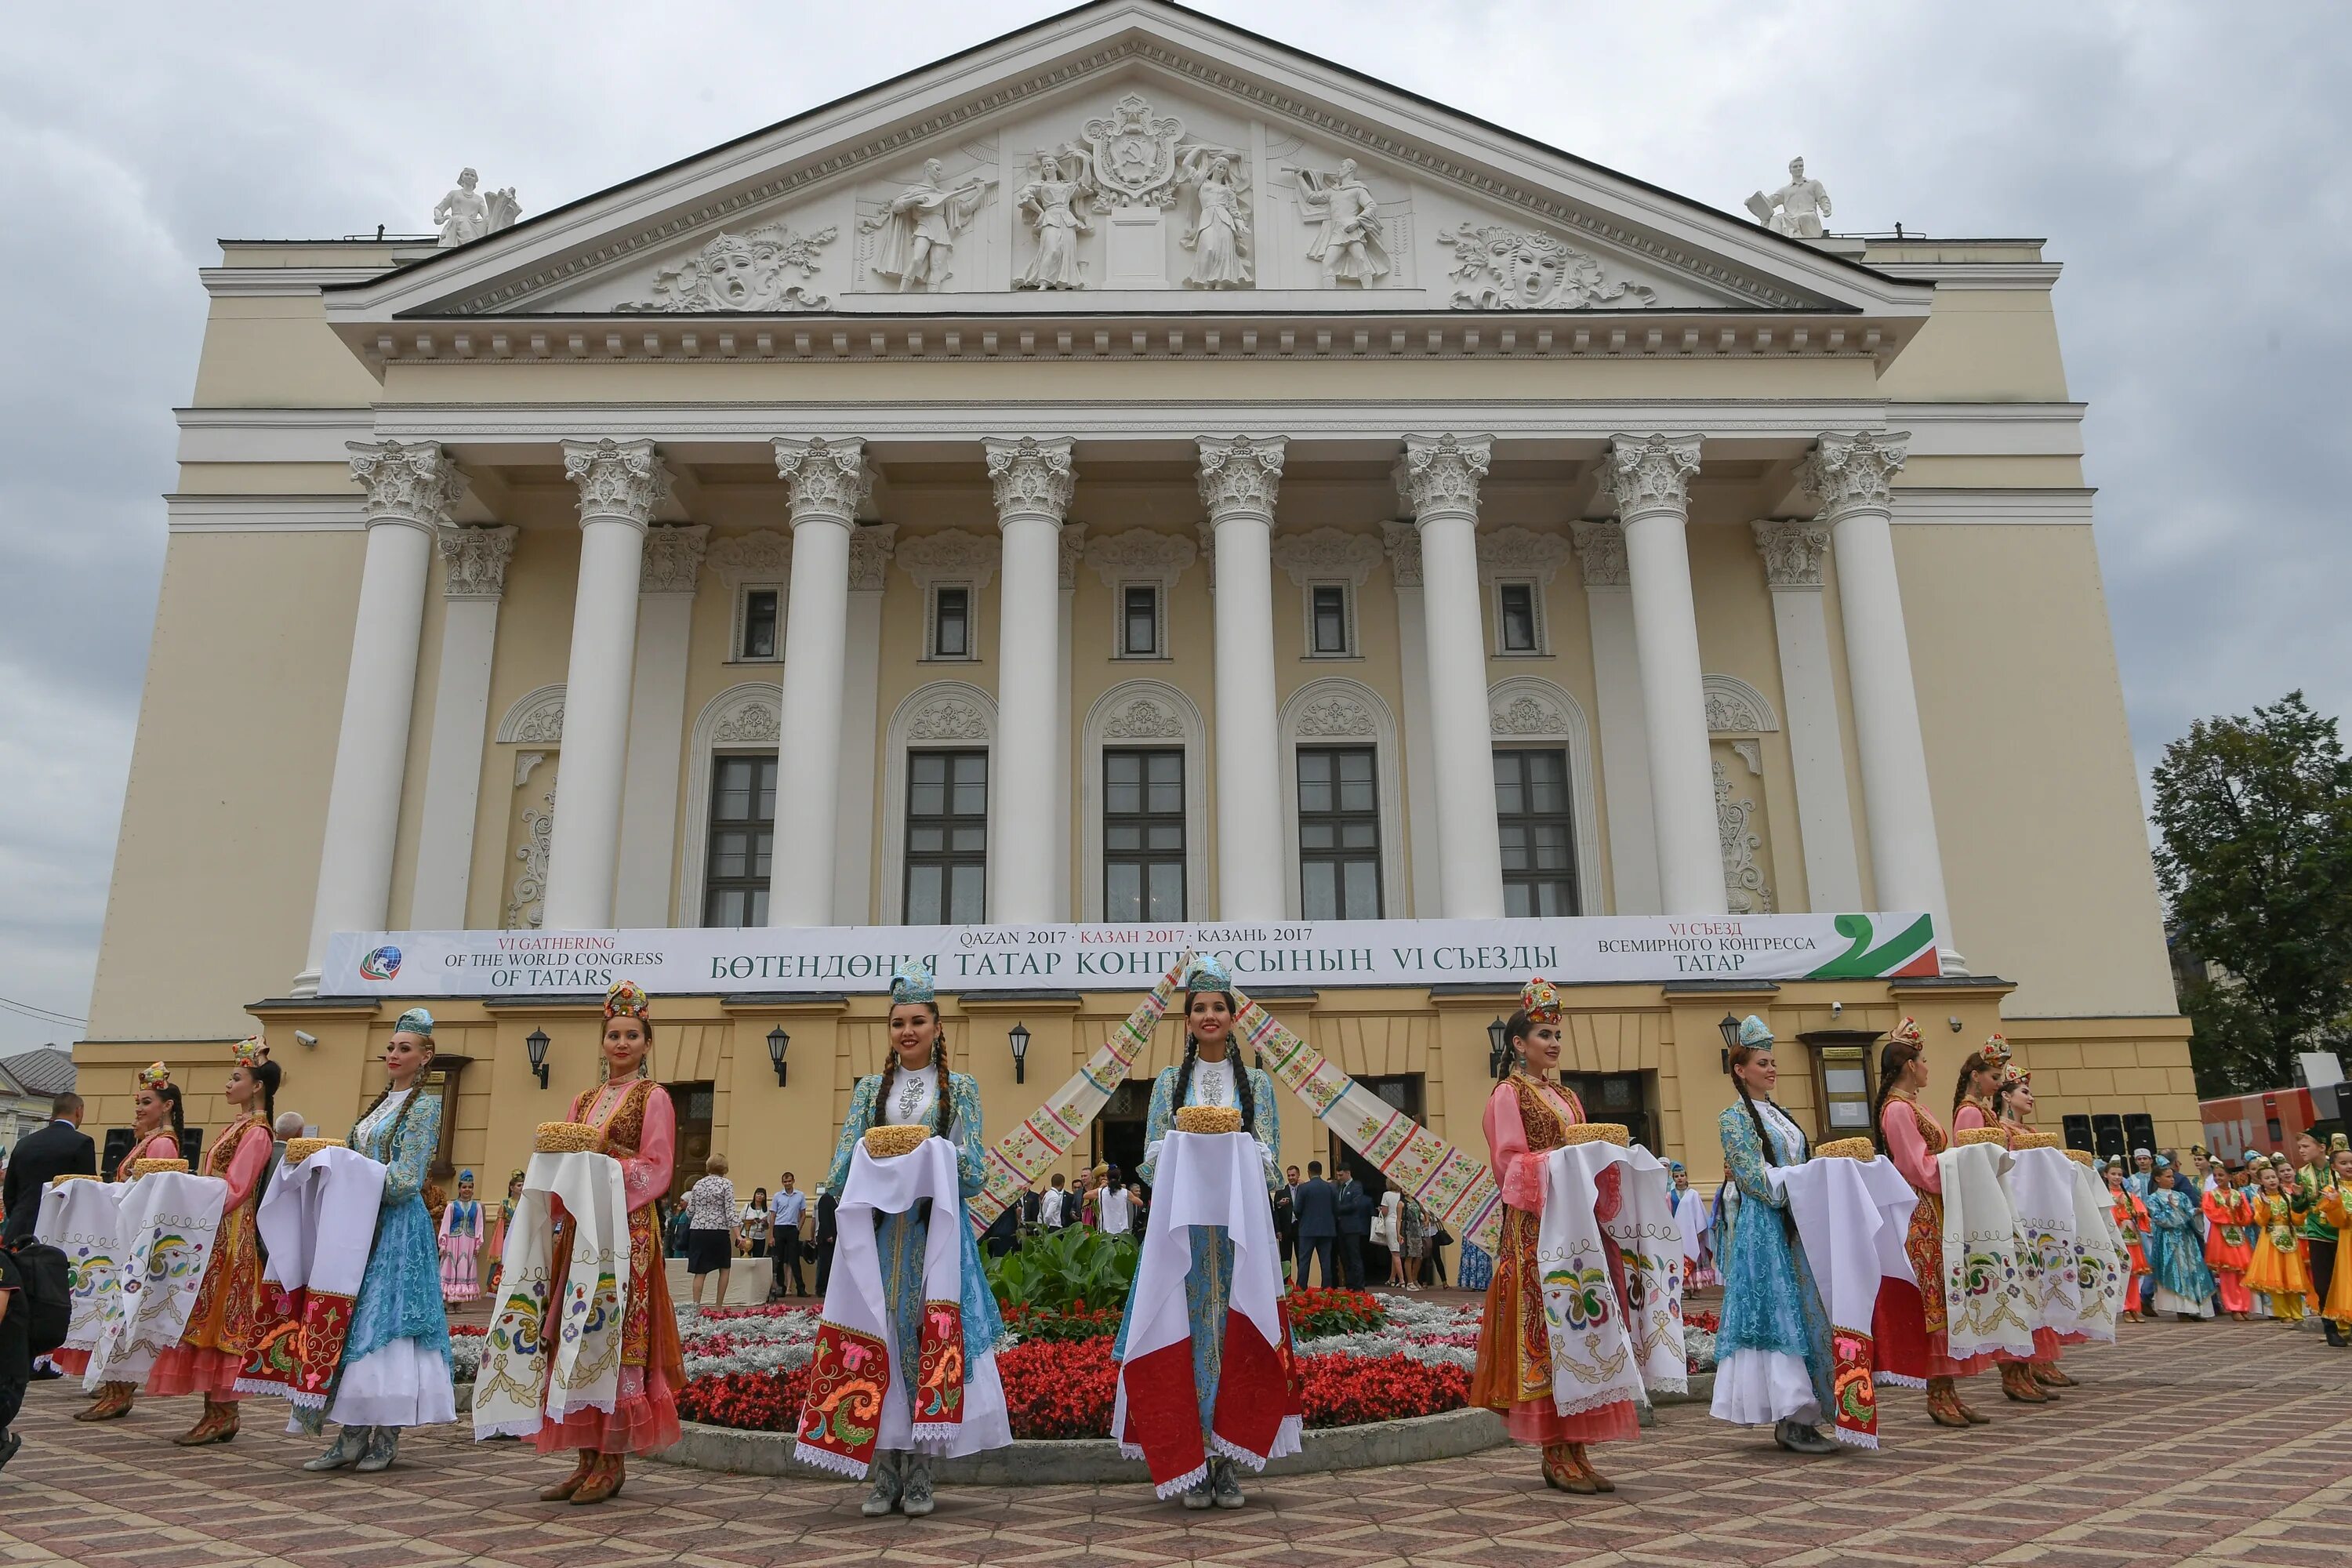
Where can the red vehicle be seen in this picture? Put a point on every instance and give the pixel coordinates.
(2238, 1125)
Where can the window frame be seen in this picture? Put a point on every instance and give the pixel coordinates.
(740, 620)
(1146, 819)
(971, 592)
(1566, 819)
(1159, 592)
(1340, 856)
(758, 890)
(1538, 643)
(948, 859)
(1347, 592)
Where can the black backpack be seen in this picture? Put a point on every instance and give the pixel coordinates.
(49, 1298)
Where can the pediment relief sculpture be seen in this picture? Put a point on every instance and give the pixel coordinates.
(746, 271)
(1348, 244)
(1054, 205)
(1498, 268)
(916, 237)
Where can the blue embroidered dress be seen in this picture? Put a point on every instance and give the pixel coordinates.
(396, 1369)
(1209, 1283)
(1773, 1354)
(902, 1239)
(2176, 1258)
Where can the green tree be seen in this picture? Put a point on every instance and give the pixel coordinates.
(2255, 814)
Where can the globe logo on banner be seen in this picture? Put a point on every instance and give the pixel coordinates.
(381, 965)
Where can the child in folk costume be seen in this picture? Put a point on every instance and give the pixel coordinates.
(1213, 1073)
(155, 1128)
(2229, 1242)
(2276, 1269)
(461, 1242)
(913, 1089)
(1915, 1326)
(2176, 1258)
(497, 1244)
(1698, 1237)
(637, 1126)
(1772, 1351)
(233, 1308)
(2333, 1207)
(2130, 1212)
(396, 1367)
(1526, 1115)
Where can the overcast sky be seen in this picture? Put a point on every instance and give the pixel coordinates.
(2186, 162)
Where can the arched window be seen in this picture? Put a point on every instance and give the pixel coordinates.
(1544, 806)
(730, 807)
(941, 742)
(1343, 814)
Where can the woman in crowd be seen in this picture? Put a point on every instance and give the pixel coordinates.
(1413, 1238)
(711, 1230)
(155, 1129)
(637, 1125)
(916, 1088)
(1912, 1138)
(751, 1224)
(2184, 1286)
(1213, 1073)
(2132, 1223)
(1387, 1229)
(461, 1244)
(232, 1306)
(2028, 1382)
(2276, 1269)
(2229, 1242)
(395, 1368)
(1981, 1075)
(1772, 1351)
(1526, 1118)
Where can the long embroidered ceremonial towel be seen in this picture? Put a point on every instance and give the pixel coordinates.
(1025, 1154)
(1851, 1216)
(165, 1237)
(1593, 1365)
(1984, 1290)
(579, 1313)
(1649, 1238)
(1456, 1191)
(84, 1221)
(2041, 1184)
(318, 1222)
(1207, 1178)
(2103, 1262)
(857, 1391)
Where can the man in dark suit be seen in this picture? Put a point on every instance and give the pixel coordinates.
(1316, 1206)
(1285, 1220)
(1355, 1229)
(60, 1149)
(827, 1232)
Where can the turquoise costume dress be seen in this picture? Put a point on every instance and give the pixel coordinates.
(2176, 1258)
(1772, 1307)
(902, 1238)
(1209, 1281)
(383, 1382)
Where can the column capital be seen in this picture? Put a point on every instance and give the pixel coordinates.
(474, 562)
(870, 548)
(1437, 476)
(1600, 551)
(827, 482)
(673, 559)
(1792, 549)
(1034, 478)
(620, 481)
(1074, 551)
(415, 483)
(1404, 552)
(1646, 475)
(1239, 477)
(1855, 472)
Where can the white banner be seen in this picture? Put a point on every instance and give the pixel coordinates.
(1324, 953)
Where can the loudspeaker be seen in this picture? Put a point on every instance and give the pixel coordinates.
(2078, 1134)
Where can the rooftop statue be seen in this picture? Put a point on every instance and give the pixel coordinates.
(466, 215)
(1796, 208)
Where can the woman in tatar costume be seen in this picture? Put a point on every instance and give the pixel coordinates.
(638, 1127)
(1913, 1327)
(1525, 1116)
(2013, 1104)
(2132, 1223)
(1213, 1073)
(497, 1246)
(2184, 1286)
(231, 1310)
(915, 1088)
(1981, 1077)
(396, 1366)
(1772, 1353)
(461, 1244)
(155, 1128)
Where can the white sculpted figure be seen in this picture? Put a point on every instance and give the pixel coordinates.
(1054, 206)
(1350, 245)
(1219, 243)
(921, 228)
(466, 215)
(1796, 208)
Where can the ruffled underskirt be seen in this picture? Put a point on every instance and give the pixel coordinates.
(187, 1369)
(405, 1383)
(1534, 1421)
(644, 1419)
(1759, 1387)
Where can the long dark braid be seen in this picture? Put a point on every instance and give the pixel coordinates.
(170, 1095)
(1969, 1070)
(1739, 1059)
(1893, 1057)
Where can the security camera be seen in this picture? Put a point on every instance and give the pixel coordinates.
(304, 1038)
(1837, 1009)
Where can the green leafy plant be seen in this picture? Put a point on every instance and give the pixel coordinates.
(1058, 1270)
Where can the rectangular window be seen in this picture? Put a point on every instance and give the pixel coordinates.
(952, 623)
(759, 606)
(1328, 620)
(1339, 833)
(1538, 831)
(742, 839)
(1518, 617)
(1143, 836)
(1139, 632)
(947, 838)
(1842, 1081)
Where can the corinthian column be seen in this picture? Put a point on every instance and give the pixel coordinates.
(1034, 482)
(1792, 549)
(1853, 475)
(1438, 479)
(1648, 477)
(1239, 478)
(473, 579)
(826, 482)
(410, 492)
(620, 483)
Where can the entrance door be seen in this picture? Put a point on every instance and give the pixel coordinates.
(1621, 1096)
(1119, 1131)
(693, 1102)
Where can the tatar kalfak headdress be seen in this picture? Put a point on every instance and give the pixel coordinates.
(912, 981)
(155, 1075)
(1752, 1032)
(1539, 1000)
(415, 1021)
(1996, 1048)
(1207, 971)
(251, 1051)
(1907, 1033)
(627, 999)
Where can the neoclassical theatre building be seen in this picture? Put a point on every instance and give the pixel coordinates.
(1132, 471)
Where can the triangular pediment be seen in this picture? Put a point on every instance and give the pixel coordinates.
(1129, 156)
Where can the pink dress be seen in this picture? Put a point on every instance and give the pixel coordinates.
(234, 1308)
